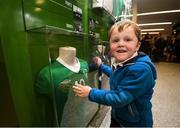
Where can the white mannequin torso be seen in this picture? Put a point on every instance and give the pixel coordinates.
(67, 57)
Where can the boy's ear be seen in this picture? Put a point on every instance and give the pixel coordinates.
(138, 45)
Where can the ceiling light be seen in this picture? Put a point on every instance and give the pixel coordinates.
(149, 24)
(39, 2)
(151, 33)
(148, 30)
(152, 13)
(125, 16)
(159, 12)
(37, 9)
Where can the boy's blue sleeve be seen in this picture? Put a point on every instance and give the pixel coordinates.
(106, 69)
(110, 98)
(136, 83)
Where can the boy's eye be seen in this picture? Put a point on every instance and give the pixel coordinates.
(127, 39)
(115, 40)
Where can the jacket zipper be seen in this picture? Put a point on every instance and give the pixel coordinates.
(131, 111)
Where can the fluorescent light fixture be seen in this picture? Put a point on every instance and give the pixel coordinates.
(125, 15)
(39, 2)
(159, 12)
(150, 24)
(151, 33)
(37, 9)
(152, 13)
(149, 30)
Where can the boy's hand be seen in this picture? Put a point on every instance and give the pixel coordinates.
(97, 60)
(81, 90)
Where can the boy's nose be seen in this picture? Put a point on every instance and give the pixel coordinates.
(120, 42)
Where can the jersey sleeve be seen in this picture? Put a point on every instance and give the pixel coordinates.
(43, 83)
(84, 66)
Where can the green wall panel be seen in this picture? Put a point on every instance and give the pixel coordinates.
(18, 68)
(24, 51)
(7, 106)
(47, 14)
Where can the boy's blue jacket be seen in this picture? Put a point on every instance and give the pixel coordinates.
(131, 91)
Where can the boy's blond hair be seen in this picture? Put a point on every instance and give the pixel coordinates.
(121, 25)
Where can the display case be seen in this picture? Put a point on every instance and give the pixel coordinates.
(32, 31)
(101, 50)
(105, 4)
(54, 77)
(48, 12)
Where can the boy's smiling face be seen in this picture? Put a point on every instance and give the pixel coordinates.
(123, 44)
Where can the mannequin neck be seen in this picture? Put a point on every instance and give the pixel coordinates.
(67, 57)
(101, 49)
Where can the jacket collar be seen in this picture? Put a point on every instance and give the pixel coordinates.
(129, 61)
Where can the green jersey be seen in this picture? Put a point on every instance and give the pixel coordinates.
(58, 80)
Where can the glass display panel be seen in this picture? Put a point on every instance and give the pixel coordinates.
(61, 58)
(101, 49)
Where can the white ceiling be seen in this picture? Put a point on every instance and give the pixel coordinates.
(144, 6)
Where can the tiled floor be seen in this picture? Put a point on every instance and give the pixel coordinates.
(166, 98)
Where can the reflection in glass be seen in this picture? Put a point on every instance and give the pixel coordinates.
(57, 80)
